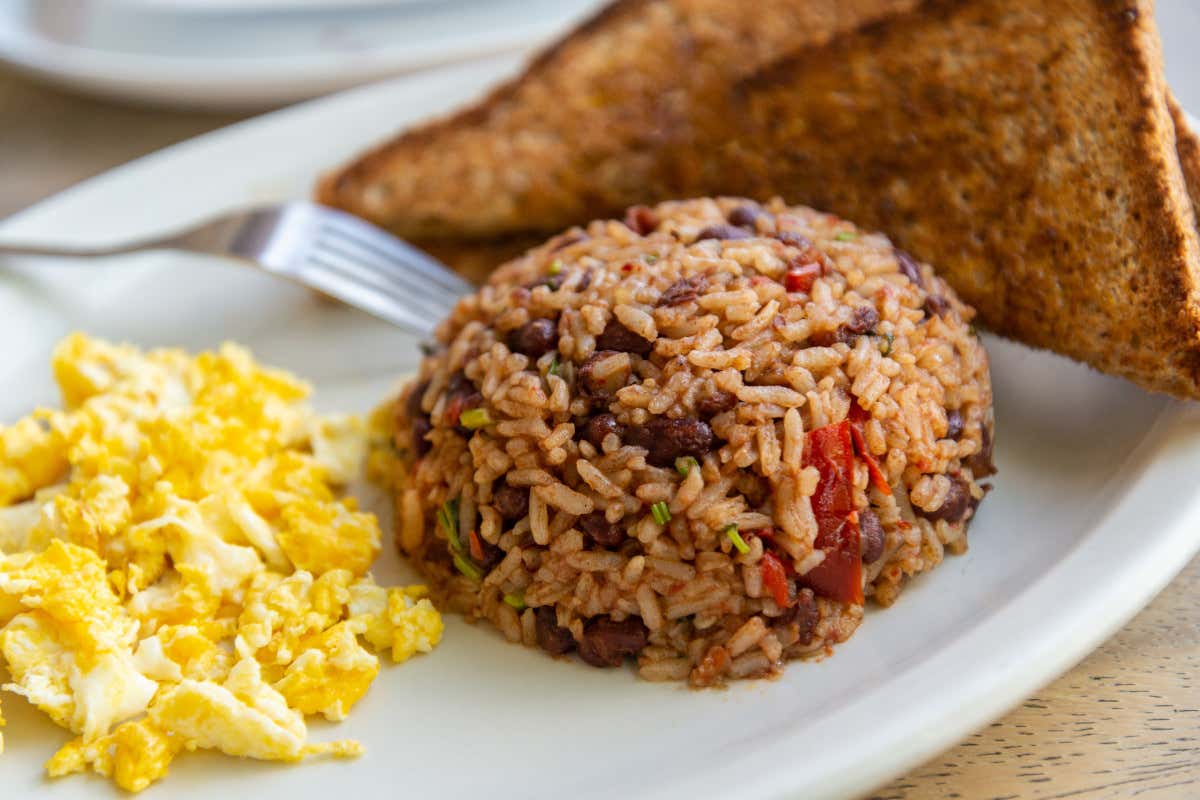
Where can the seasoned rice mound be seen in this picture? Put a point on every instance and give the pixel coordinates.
(698, 437)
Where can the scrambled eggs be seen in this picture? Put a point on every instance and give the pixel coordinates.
(176, 571)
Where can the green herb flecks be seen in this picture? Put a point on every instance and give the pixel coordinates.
(885, 347)
(466, 567)
(516, 600)
(555, 366)
(660, 512)
(846, 236)
(447, 517)
(475, 418)
(737, 540)
(556, 267)
(685, 464)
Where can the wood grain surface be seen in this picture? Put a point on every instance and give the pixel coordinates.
(1124, 723)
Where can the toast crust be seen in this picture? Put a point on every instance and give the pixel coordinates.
(570, 139)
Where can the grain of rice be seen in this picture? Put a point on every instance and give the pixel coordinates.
(672, 569)
(539, 522)
(566, 499)
(597, 480)
(529, 477)
(596, 561)
(636, 320)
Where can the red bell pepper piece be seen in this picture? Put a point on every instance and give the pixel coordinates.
(839, 577)
(775, 579)
(475, 546)
(858, 417)
(800, 278)
(873, 469)
(831, 450)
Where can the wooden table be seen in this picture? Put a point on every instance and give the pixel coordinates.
(1124, 723)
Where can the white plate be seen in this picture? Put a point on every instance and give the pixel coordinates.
(1094, 511)
(243, 54)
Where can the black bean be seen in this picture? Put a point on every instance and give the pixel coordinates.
(607, 643)
(535, 338)
(638, 436)
(723, 231)
(871, 537)
(412, 404)
(511, 502)
(600, 426)
(599, 390)
(804, 613)
(910, 268)
(795, 240)
(459, 384)
(684, 290)
(552, 637)
(668, 439)
(980, 463)
(954, 423)
(955, 506)
(936, 306)
(492, 554)
(462, 395)
(716, 403)
(641, 220)
(421, 426)
(585, 281)
(862, 321)
(601, 531)
(746, 216)
(617, 337)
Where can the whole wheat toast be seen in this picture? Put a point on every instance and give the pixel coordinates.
(1025, 148)
(571, 138)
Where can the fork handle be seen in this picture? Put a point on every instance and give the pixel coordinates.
(42, 251)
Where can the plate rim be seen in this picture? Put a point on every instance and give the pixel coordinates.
(896, 745)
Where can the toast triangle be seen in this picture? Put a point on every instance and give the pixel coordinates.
(1026, 148)
(569, 138)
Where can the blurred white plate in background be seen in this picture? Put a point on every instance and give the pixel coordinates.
(245, 54)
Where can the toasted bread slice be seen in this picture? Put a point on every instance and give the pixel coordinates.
(1024, 147)
(571, 138)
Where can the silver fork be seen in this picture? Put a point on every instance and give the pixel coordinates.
(325, 249)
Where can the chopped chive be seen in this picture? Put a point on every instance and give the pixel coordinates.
(465, 566)
(885, 347)
(516, 600)
(651, 258)
(556, 266)
(475, 418)
(662, 514)
(447, 517)
(736, 538)
(846, 236)
(554, 367)
(684, 465)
